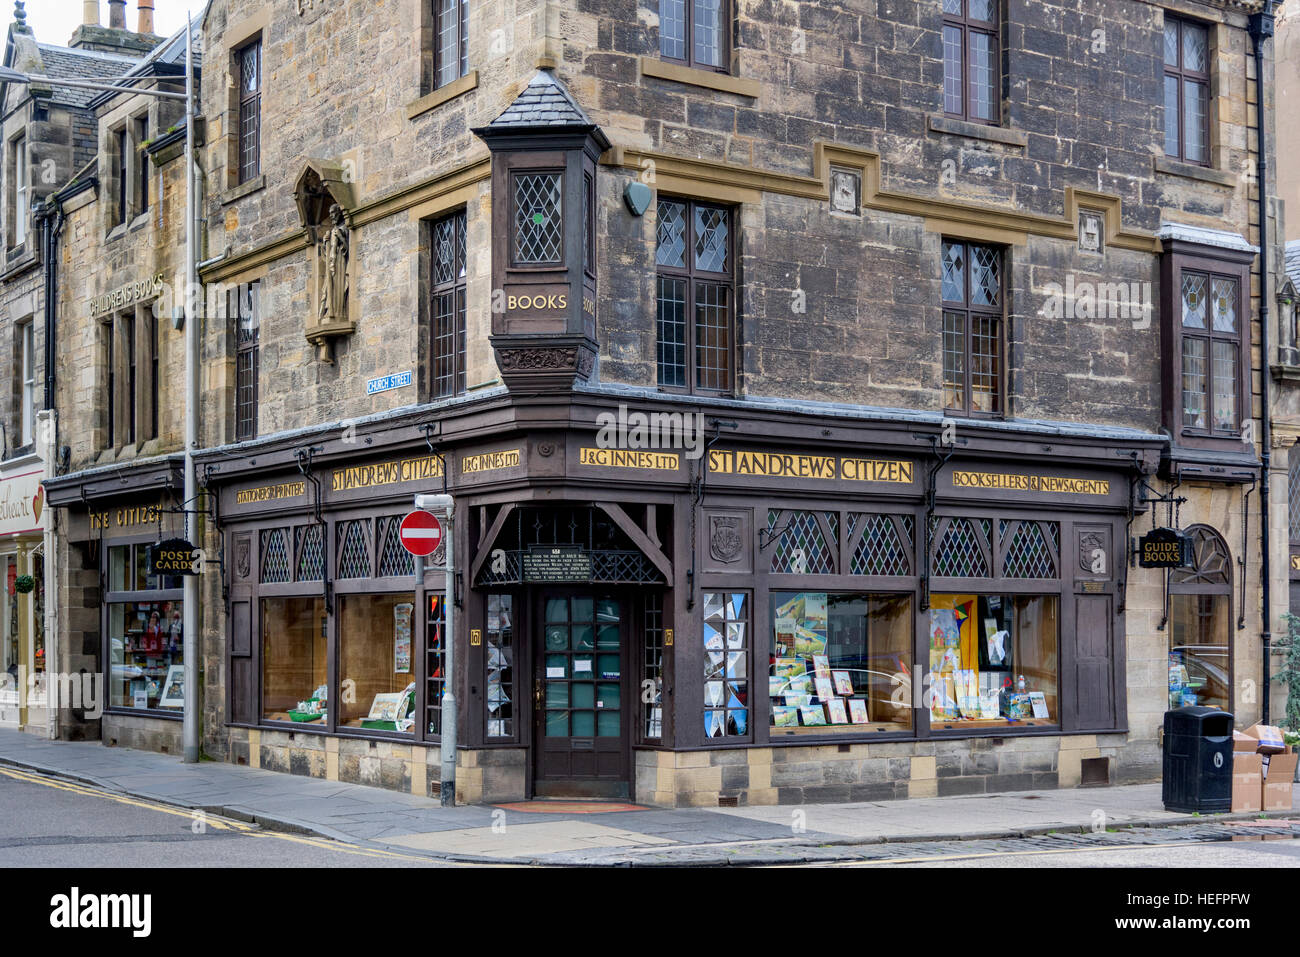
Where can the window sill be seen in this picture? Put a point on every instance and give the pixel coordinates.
(140, 222)
(117, 232)
(1191, 171)
(442, 95)
(243, 189)
(706, 79)
(976, 131)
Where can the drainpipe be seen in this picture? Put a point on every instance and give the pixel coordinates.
(51, 219)
(1261, 29)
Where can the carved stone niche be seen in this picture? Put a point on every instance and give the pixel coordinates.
(325, 201)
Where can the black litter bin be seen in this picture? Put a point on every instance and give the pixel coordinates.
(1198, 760)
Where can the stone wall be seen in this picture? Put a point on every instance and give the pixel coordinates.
(831, 773)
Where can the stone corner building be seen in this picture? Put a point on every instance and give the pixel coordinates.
(803, 375)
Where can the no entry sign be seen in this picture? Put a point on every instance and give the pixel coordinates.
(421, 533)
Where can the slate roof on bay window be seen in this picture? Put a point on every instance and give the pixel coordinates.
(545, 102)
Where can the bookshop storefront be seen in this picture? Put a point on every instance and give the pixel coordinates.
(626, 631)
(837, 605)
(127, 626)
(336, 652)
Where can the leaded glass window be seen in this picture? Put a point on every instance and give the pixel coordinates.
(806, 543)
(275, 556)
(539, 215)
(1210, 310)
(1187, 90)
(354, 548)
(971, 286)
(448, 305)
(881, 550)
(727, 619)
(310, 547)
(394, 560)
(695, 295)
(249, 60)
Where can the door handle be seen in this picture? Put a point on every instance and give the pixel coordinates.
(537, 693)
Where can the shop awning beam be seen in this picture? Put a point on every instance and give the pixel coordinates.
(639, 538)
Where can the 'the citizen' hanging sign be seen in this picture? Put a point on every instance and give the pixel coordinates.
(174, 557)
(1164, 548)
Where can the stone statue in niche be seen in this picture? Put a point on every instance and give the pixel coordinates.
(332, 250)
(324, 196)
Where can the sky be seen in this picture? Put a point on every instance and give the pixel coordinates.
(54, 20)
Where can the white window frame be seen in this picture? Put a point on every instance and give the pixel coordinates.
(28, 337)
(21, 187)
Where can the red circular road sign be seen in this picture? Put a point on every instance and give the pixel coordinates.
(421, 533)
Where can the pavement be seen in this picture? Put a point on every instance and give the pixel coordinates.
(592, 833)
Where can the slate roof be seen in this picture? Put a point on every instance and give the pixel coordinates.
(169, 53)
(545, 103)
(1293, 262)
(66, 63)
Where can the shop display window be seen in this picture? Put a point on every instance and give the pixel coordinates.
(840, 663)
(500, 667)
(145, 648)
(993, 661)
(295, 682)
(436, 651)
(726, 664)
(1200, 633)
(376, 677)
(1200, 666)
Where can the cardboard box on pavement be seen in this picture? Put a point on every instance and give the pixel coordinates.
(1267, 737)
(1247, 781)
(1244, 742)
(1279, 775)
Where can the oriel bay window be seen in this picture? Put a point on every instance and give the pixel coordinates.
(695, 297)
(1205, 317)
(696, 32)
(972, 292)
(972, 80)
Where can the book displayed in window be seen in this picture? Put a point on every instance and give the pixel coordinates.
(844, 657)
(993, 660)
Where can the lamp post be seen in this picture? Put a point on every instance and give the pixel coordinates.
(190, 729)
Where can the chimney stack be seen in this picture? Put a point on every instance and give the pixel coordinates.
(117, 14)
(146, 17)
(90, 13)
